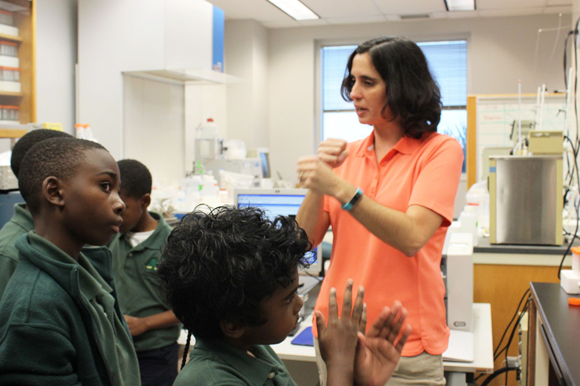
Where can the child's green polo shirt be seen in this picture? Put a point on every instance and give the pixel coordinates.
(138, 285)
(21, 223)
(217, 363)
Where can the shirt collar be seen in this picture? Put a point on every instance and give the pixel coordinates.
(257, 369)
(406, 145)
(91, 282)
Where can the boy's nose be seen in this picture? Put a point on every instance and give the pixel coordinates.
(118, 206)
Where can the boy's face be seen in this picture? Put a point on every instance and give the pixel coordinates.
(133, 212)
(281, 311)
(92, 210)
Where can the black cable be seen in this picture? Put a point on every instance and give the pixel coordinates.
(495, 353)
(508, 344)
(497, 373)
(573, 237)
(574, 50)
(566, 58)
(525, 309)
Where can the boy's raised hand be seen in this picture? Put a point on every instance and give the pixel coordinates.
(338, 339)
(379, 351)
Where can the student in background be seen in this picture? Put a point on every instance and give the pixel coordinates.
(60, 323)
(136, 253)
(231, 276)
(21, 222)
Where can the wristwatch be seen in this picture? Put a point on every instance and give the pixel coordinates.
(353, 200)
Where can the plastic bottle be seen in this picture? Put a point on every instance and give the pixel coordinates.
(468, 221)
(88, 132)
(80, 130)
(206, 141)
(478, 197)
(207, 130)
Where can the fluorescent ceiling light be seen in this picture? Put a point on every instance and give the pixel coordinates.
(460, 5)
(295, 9)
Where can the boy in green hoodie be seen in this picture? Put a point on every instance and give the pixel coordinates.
(136, 251)
(21, 222)
(60, 323)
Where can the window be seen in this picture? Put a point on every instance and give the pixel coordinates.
(448, 63)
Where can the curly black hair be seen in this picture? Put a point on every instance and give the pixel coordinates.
(218, 266)
(135, 178)
(412, 94)
(27, 141)
(59, 157)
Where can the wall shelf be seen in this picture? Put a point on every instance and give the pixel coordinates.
(13, 38)
(186, 77)
(24, 19)
(11, 94)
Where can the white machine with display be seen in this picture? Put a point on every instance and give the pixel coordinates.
(277, 202)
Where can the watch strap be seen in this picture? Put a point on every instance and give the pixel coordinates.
(353, 200)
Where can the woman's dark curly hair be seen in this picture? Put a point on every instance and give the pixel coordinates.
(219, 266)
(412, 94)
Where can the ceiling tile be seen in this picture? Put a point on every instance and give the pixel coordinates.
(558, 2)
(511, 12)
(410, 7)
(369, 11)
(357, 20)
(561, 9)
(342, 8)
(485, 5)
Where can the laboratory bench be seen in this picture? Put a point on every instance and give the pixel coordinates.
(501, 276)
(554, 337)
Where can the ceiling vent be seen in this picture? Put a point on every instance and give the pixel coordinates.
(415, 16)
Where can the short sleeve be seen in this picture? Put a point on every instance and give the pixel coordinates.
(438, 180)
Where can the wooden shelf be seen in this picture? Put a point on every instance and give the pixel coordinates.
(13, 38)
(11, 94)
(12, 133)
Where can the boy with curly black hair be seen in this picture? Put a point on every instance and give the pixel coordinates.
(60, 322)
(231, 276)
(136, 252)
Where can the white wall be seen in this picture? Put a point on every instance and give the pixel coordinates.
(154, 122)
(56, 56)
(134, 35)
(500, 51)
(246, 57)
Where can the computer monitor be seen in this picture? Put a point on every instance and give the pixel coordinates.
(276, 202)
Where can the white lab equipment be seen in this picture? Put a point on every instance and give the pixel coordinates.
(468, 222)
(570, 278)
(458, 273)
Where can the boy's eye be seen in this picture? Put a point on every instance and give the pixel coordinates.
(106, 186)
(291, 298)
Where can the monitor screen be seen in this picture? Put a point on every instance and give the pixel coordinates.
(279, 202)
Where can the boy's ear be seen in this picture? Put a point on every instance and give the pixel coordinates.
(52, 191)
(232, 330)
(145, 200)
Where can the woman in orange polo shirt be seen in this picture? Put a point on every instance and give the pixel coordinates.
(389, 199)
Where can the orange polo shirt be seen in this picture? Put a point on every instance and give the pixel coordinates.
(422, 172)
